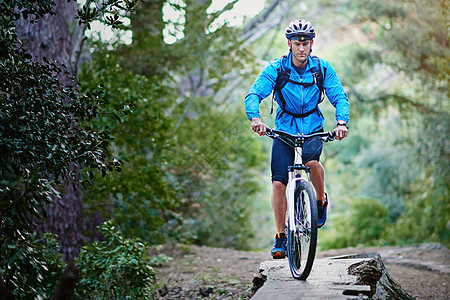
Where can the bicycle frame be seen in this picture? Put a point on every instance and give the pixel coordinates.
(295, 176)
(301, 216)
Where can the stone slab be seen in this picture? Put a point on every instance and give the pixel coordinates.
(329, 279)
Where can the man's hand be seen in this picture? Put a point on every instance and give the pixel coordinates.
(258, 126)
(341, 131)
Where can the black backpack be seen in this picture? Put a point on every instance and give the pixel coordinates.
(283, 79)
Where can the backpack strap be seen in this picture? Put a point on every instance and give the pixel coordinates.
(283, 79)
(319, 77)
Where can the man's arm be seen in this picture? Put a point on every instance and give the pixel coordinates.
(261, 88)
(335, 93)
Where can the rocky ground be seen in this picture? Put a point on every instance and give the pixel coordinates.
(216, 273)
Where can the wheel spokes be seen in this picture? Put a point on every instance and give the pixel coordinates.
(302, 238)
(303, 218)
(303, 231)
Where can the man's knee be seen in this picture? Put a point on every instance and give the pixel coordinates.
(313, 164)
(278, 186)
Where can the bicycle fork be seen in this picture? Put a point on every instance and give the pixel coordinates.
(294, 179)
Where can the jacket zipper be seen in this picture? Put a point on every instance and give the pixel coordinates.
(301, 119)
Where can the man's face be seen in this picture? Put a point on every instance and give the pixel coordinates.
(300, 49)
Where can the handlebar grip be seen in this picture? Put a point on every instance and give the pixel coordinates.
(269, 131)
(331, 136)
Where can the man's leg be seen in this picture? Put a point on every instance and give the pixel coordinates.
(279, 205)
(282, 157)
(317, 178)
(318, 181)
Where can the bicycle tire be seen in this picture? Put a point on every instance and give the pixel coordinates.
(302, 240)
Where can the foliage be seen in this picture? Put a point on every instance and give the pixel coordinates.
(179, 187)
(427, 205)
(44, 134)
(115, 268)
(387, 175)
(397, 81)
(48, 126)
(33, 267)
(422, 43)
(160, 260)
(183, 178)
(25, 8)
(107, 11)
(418, 38)
(426, 214)
(410, 43)
(136, 196)
(222, 176)
(364, 222)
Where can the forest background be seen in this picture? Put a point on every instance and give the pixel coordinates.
(147, 129)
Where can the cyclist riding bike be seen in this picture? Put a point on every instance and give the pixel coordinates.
(298, 81)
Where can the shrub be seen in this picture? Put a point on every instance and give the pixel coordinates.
(427, 213)
(364, 223)
(31, 266)
(115, 268)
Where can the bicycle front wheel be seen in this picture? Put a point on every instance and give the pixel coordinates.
(302, 239)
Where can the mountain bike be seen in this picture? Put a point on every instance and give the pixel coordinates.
(301, 224)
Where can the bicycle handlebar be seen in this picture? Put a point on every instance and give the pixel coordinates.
(326, 136)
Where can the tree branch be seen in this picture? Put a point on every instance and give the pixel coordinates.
(268, 20)
(78, 39)
(261, 19)
(400, 99)
(191, 99)
(408, 101)
(217, 14)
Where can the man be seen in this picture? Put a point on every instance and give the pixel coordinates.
(297, 113)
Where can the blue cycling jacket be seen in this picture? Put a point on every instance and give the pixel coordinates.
(299, 99)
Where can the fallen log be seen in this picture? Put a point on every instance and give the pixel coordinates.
(375, 274)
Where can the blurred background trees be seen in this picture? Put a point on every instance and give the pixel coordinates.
(401, 161)
(185, 174)
(161, 100)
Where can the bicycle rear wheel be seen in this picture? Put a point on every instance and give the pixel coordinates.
(302, 239)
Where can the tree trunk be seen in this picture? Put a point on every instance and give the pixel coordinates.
(50, 37)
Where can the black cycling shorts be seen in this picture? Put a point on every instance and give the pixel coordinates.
(283, 156)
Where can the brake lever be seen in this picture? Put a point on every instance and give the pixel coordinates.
(270, 133)
(331, 136)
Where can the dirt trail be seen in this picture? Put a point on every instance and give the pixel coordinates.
(217, 273)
